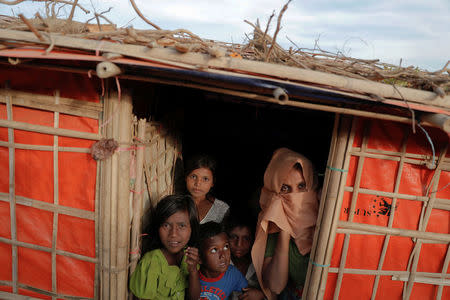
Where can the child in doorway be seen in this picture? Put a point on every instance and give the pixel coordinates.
(170, 267)
(240, 234)
(218, 278)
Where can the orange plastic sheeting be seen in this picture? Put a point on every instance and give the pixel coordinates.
(34, 179)
(364, 251)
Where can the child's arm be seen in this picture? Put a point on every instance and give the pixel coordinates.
(192, 260)
(251, 294)
(275, 269)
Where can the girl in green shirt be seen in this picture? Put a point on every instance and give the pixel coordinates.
(170, 267)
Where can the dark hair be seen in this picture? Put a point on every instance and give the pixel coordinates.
(166, 207)
(239, 220)
(201, 161)
(208, 230)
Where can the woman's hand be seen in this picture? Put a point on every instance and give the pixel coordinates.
(192, 259)
(251, 294)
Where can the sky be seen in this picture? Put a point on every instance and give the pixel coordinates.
(413, 32)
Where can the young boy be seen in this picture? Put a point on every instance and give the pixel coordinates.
(218, 279)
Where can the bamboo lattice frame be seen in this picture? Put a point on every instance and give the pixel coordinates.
(315, 286)
(57, 105)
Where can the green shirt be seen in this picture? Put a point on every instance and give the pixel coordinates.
(298, 264)
(155, 279)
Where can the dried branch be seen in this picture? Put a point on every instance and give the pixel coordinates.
(142, 16)
(31, 27)
(278, 29)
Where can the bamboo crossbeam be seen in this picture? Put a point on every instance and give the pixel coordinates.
(391, 158)
(386, 272)
(49, 130)
(443, 273)
(388, 153)
(362, 232)
(48, 250)
(65, 210)
(424, 279)
(439, 237)
(171, 56)
(10, 296)
(66, 105)
(43, 148)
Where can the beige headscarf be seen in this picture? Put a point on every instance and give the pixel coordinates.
(295, 213)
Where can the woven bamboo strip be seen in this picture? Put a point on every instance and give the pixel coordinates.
(329, 194)
(172, 57)
(351, 213)
(12, 192)
(105, 207)
(65, 210)
(98, 236)
(55, 196)
(44, 148)
(123, 205)
(386, 272)
(48, 250)
(49, 130)
(443, 274)
(137, 201)
(66, 106)
(412, 274)
(336, 213)
(438, 237)
(392, 158)
(392, 213)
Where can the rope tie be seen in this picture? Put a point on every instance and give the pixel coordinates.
(317, 264)
(336, 169)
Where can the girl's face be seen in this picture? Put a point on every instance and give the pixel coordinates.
(175, 232)
(294, 182)
(240, 241)
(199, 182)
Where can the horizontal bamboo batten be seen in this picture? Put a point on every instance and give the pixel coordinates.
(438, 237)
(193, 60)
(385, 272)
(42, 102)
(49, 250)
(49, 130)
(8, 296)
(44, 148)
(65, 210)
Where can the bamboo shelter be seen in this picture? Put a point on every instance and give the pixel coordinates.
(95, 122)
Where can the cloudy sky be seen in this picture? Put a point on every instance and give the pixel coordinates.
(416, 31)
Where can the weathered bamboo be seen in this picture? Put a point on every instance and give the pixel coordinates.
(49, 130)
(98, 233)
(443, 273)
(43, 102)
(12, 192)
(137, 201)
(336, 214)
(351, 213)
(55, 194)
(438, 120)
(412, 161)
(123, 206)
(387, 273)
(439, 237)
(329, 194)
(171, 56)
(44, 148)
(424, 279)
(70, 211)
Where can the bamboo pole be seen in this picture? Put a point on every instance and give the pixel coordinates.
(55, 195)
(329, 194)
(12, 192)
(443, 274)
(335, 218)
(388, 273)
(137, 199)
(49, 130)
(439, 237)
(43, 148)
(171, 56)
(438, 120)
(43, 102)
(123, 206)
(353, 201)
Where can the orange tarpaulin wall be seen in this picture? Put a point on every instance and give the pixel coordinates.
(392, 159)
(47, 211)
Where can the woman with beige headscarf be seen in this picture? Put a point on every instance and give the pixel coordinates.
(286, 223)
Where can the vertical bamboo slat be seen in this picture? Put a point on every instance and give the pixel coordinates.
(137, 201)
(329, 194)
(443, 273)
(123, 194)
(336, 213)
(12, 201)
(55, 196)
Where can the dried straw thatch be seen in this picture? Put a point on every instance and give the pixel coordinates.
(260, 46)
